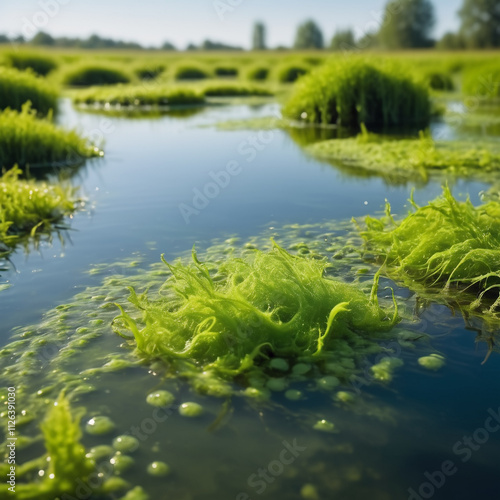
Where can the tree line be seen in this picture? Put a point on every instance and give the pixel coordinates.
(406, 24)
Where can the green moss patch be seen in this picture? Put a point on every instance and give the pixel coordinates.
(16, 88)
(448, 249)
(350, 92)
(28, 141)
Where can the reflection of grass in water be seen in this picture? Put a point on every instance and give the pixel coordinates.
(446, 249)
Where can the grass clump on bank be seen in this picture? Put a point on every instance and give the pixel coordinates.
(38, 63)
(226, 71)
(88, 75)
(138, 95)
(448, 247)
(149, 72)
(233, 317)
(406, 159)
(351, 92)
(440, 81)
(29, 208)
(16, 88)
(28, 141)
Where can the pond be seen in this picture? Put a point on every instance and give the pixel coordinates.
(170, 182)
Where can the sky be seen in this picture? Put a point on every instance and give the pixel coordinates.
(151, 22)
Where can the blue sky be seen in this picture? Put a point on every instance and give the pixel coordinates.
(151, 22)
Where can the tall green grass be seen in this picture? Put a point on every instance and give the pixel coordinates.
(191, 72)
(18, 87)
(350, 92)
(40, 64)
(26, 140)
(289, 73)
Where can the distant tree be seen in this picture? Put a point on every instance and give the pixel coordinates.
(209, 45)
(368, 41)
(168, 46)
(42, 38)
(451, 41)
(309, 36)
(4, 39)
(480, 23)
(343, 40)
(407, 24)
(259, 36)
(191, 47)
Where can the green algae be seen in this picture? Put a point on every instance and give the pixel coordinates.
(350, 92)
(432, 362)
(410, 159)
(455, 257)
(268, 304)
(65, 463)
(160, 398)
(99, 425)
(158, 469)
(324, 426)
(190, 409)
(28, 141)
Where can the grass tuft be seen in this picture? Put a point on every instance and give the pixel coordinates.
(350, 92)
(28, 141)
(16, 88)
(38, 63)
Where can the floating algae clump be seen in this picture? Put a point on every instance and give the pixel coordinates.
(29, 207)
(405, 159)
(448, 248)
(231, 319)
(26, 140)
(66, 464)
(351, 92)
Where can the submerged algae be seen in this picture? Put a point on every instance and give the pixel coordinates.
(447, 249)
